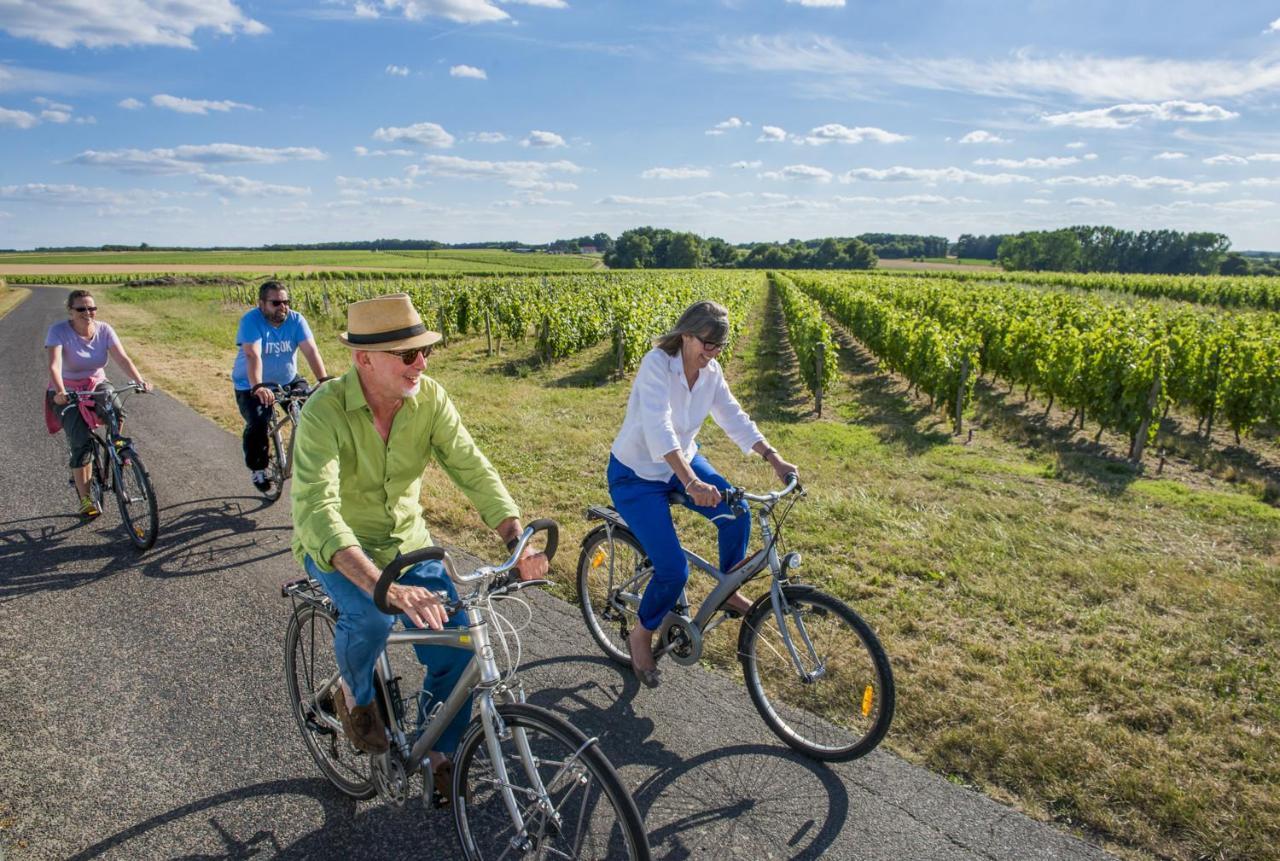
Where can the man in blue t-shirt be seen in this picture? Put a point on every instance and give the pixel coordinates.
(269, 337)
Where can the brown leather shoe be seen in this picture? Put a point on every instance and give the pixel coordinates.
(362, 724)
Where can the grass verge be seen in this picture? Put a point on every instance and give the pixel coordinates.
(1096, 648)
(11, 297)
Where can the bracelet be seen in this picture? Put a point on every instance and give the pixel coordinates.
(768, 451)
(689, 482)
(258, 386)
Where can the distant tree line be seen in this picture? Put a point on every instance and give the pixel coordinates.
(897, 246)
(659, 248)
(1109, 249)
(977, 247)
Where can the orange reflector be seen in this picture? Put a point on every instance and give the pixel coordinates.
(598, 559)
(867, 697)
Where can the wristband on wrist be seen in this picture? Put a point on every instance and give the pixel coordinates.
(768, 451)
(256, 387)
(689, 482)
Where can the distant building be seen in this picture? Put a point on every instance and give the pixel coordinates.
(587, 249)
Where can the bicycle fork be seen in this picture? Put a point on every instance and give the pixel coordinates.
(781, 610)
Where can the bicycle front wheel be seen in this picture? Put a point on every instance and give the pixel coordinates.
(312, 678)
(613, 572)
(275, 465)
(834, 698)
(137, 500)
(570, 800)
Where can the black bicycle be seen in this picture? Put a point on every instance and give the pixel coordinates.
(283, 430)
(116, 466)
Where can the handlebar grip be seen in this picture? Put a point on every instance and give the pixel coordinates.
(553, 534)
(392, 573)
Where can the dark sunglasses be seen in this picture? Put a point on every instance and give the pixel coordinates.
(410, 356)
(278, 302)
(88, 309)
(710, 345)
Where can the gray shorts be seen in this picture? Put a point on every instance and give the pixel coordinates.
(77, 431)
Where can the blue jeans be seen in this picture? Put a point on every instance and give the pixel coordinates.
(361, 636)
(643, 504)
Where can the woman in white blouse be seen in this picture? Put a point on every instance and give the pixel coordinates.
(678, 385)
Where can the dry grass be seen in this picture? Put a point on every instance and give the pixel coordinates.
(1096, 647)
(11, 297)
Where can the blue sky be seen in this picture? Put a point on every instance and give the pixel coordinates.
(203, 122)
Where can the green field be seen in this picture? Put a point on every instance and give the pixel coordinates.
(1088, 643)
(471, 260)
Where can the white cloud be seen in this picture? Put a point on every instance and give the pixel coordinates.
(981, 136)
(426, 134)
(131, 104)
(1023, 73)
(1264, 156)
(487, 137)
(241, 186)
(728, 125)
(1226, 159)
(351, 183)
(464, 71)
(20, 119)
(1273, 27)
(105, 23)
(545, 4)
(803, 172)
(1262, 182)
(397, 71)
(819, 4)
(58, 117)
(1129, 115)
(837, 133)
(75, 195)
(1170, 156)
(192, 158)
(1037, 201)
(1052, 161)
(364, 10)
(1141, 183)
(676, 173)
(746, 165)
(1090, 203)
(364, 152)
(459, 11)
(1076, 145)
(541, 185)
(684, 201)
(931, 175)
(196, 106)
(771, 134)
(52, 105)
(511, 171)
(543, 140)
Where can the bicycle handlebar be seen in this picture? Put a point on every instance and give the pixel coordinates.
(734, 495)
(74, 397)
(392, 572)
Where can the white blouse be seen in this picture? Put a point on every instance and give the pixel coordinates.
(664, 414)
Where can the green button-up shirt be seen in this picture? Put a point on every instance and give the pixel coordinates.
(349, 488)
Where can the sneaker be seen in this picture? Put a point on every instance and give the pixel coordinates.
(260, 480)
(88, 509)
(363, 725)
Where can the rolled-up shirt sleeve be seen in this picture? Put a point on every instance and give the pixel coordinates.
(467, 467)
(654, 389)
(732, 419)
(319, 529)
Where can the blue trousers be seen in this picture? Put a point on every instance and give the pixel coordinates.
(361, 636)
(643, 504)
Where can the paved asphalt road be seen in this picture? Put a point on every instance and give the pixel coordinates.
(145, 714)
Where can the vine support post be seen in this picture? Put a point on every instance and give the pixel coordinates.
(820, 358)
(444, 335)
(488, 335)
(960, 390)
(1140, 442)
(622, 351)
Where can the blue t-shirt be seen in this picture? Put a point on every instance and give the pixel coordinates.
(279, 347)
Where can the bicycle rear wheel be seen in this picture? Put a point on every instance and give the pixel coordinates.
(842, 705)
(586, 812)
(136, 499)
(312, 678)
(607, 567)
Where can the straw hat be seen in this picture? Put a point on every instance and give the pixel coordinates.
(386, 323)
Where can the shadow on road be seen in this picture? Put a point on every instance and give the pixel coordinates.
(741, 801)
(57, 552)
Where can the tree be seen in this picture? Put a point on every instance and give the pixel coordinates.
(1234, 264)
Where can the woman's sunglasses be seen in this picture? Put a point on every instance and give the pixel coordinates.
(410, 356)
(87, 309)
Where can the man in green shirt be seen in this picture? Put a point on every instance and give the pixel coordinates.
(363, 442)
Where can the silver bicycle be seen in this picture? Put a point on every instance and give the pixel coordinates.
(815, 670)
(526, 783)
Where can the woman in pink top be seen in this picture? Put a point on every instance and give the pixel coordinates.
(78, 350)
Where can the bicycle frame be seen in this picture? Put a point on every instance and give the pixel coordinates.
(480, 676)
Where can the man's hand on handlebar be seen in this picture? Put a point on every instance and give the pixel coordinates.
(265, 396)
(533, 565)
(423, 607)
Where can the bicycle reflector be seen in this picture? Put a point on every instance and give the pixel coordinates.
(867, 696)
(598, 559)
